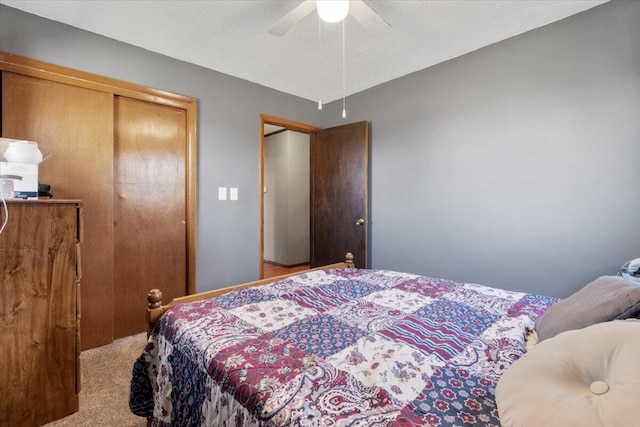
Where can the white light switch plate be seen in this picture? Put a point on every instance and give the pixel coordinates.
(222, 193)
(233, 193)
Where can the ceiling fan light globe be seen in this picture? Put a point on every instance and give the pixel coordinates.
(332, 11)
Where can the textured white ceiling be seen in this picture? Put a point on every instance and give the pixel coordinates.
(231, 36)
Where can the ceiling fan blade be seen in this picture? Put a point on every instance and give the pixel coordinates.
(366, 16)
(292, 18)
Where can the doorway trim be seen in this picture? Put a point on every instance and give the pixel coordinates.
(287, 125)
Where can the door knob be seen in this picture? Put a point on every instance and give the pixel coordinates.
(360, 221)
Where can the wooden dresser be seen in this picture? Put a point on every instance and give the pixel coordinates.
(39, 311)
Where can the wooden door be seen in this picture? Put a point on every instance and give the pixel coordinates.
(73, 125)
(71, 115)
(149, 208)
(339, 194)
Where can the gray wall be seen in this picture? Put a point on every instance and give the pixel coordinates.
(228, 130)
(516, 165)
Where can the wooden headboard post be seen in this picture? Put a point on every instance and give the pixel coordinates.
(348, 260)
(155, 309)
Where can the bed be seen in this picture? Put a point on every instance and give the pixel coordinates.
(335, 346)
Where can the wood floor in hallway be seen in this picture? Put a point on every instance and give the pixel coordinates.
(272, 270)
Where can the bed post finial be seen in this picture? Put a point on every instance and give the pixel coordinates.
(154, 309)
(348, 259)
(154, 299)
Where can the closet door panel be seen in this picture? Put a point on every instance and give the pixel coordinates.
(73, 125)
(149, 208)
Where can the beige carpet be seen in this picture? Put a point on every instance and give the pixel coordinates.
(104, 396)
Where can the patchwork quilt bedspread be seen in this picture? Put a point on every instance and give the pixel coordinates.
(335, 348)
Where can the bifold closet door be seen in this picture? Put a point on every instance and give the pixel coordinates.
(150, 245)
(74, 126)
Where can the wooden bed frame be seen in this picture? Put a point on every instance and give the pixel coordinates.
(155, 308)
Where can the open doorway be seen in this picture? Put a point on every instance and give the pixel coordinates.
(284, 199)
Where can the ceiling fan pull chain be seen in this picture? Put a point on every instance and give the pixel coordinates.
(344, 109)
(319, 64)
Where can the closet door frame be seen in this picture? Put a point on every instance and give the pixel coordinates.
(47, 71)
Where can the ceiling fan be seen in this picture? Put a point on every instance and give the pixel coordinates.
(356, 8)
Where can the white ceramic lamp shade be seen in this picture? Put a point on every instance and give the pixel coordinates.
(23, 152)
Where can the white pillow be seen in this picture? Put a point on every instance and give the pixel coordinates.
(581, 378)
